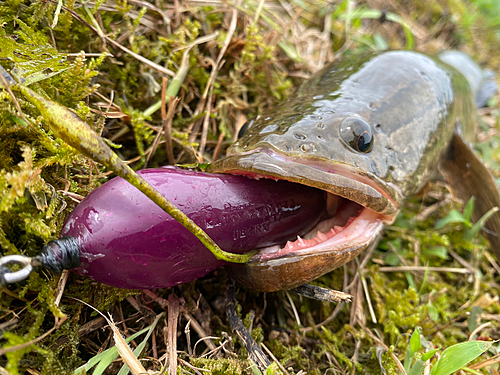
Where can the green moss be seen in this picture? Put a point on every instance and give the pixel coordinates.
(222, 366)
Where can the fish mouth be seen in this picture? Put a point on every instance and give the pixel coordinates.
(347, 226)
(357, 209)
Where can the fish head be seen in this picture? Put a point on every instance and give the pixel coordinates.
(360, 130)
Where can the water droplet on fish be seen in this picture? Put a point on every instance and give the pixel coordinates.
(315, 118)
(299, 136)
(308, 148)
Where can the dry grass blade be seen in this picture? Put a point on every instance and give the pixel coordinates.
(6, 86)
(423, 269)
(173, 318)
(275, 360)
(367, 296)
(210, 85)
(126, 353)
(218, 148)
(488, 362)
(201, 332)
(167, 128)
(61, 285)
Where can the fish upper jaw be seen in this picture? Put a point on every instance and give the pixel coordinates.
(337, 179)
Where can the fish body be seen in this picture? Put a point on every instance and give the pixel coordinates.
(371, 130)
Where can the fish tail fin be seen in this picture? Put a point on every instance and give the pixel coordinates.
(467, 176)
(481, 81)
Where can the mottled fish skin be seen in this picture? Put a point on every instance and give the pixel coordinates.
(413, 103)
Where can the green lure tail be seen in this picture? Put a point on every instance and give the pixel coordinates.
(78, 134)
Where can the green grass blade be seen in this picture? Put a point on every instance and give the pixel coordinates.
(417, 368)
(137, 351)
(472, 232)
(453, 217)
(469, 208)
(457, 356)
(104, 355)
(414, 346)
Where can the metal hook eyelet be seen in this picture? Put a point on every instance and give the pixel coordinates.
(7, 277)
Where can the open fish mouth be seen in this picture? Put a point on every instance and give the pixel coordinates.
(357, 208)
(350, 226)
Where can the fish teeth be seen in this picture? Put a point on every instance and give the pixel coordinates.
(300, 242)
(321, 236)
(338, 229)
(290, 245)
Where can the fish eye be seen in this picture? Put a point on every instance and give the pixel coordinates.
(244, 128)
(357, 133)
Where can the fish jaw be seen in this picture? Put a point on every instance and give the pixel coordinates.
(333, 178)
(296, 264)
(357, 213)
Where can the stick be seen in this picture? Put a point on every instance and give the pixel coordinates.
(255, 353)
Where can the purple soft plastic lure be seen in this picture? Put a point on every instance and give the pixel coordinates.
(127, 241)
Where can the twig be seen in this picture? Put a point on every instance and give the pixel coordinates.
(322, 294)
(255, 353)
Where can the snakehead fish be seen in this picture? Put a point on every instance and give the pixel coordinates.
(370, 130)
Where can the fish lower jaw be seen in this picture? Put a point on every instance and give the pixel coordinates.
(352, 226)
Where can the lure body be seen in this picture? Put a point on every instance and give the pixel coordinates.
(127, 241)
